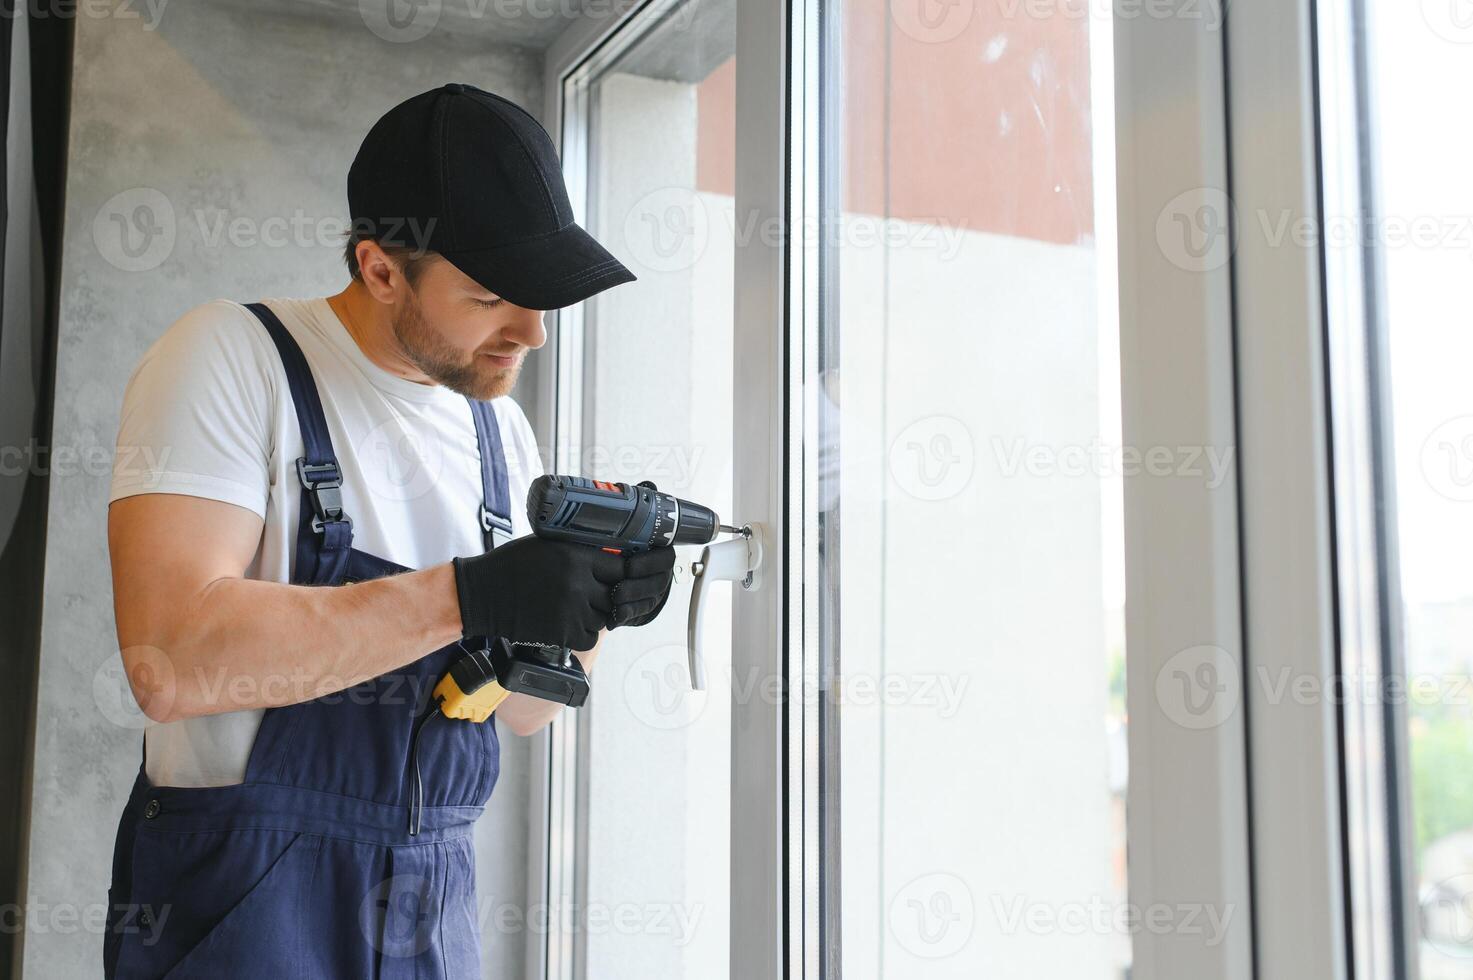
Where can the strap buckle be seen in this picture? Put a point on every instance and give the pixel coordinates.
(491, 523)
(323, 483)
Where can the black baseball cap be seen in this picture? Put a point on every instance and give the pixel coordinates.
(474, 177)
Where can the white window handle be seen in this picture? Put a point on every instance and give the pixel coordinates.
(737, 560)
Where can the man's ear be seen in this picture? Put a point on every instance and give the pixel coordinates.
(381, 275)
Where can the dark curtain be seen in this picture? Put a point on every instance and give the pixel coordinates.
(35, 69)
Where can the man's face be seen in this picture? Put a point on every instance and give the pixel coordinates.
(463, 336)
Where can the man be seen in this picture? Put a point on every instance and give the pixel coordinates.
(334, 519)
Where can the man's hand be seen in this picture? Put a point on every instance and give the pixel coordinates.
(640, 596)
(637, 598)
(530, 590)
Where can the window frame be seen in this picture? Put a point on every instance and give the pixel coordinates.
(1289, 510)
(560, 785)
(771, 865)
(1236, 357)
(1188, 826)
(1381, 889)
(558, 838)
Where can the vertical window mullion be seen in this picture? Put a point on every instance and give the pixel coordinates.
(767, 767)
(1188, 827)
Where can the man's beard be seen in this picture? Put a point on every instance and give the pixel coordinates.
(441, 362)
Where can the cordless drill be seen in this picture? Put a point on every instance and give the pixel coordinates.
(616, 517)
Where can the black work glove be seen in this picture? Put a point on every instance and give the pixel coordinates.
(531, 590)
(641, 594)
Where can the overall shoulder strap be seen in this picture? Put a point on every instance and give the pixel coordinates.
(495, 487)
(324, 531)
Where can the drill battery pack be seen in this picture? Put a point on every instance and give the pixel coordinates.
(478, 682)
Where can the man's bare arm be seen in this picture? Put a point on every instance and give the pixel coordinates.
(198, 638)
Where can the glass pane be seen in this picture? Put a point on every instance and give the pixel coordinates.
(1423, 235)
(969, 504)
(658, 406)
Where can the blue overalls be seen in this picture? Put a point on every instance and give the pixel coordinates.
(334, 858)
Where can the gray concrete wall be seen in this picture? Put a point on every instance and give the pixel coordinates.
(218, 110)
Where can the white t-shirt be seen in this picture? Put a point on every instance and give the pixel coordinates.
(208, 413)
